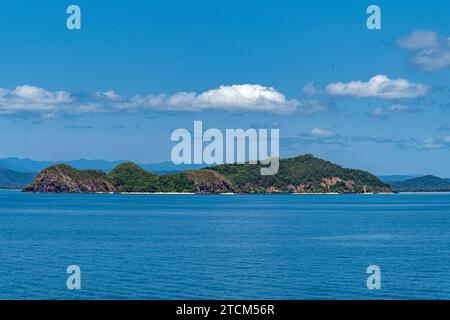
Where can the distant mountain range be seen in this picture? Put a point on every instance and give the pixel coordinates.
(28, 165)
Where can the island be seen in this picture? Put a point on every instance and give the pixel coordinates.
(427, 183)
(298, 175)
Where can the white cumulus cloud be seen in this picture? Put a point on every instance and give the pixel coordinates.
(238, 97)
(379, 86)
(419, 39)
(31, 98)
(246, 97)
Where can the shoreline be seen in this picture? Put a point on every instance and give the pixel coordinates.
(150, 193)
(424, 192)
(231, 193)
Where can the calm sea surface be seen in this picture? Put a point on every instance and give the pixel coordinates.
(224, 247)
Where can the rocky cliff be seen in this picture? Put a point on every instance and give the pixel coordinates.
(65, 179)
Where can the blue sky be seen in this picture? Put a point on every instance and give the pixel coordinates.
(371, 99)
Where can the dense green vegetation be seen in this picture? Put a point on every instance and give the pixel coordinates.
(422, 184)
(301, 174)
(296, 175)
(306, 171)
(13, 179)
(129, 177)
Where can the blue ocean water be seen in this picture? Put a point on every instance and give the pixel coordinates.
(224, 247)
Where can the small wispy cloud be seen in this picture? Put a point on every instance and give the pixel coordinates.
(322, 133)
(265, 125)
(77, 127)
(310, 89)
(431, 143)
(379, 86)
(312, 107)
(384, 113)
(420, 39)
(320, 136)
(403, 143)
(444, 127)
(430, 52)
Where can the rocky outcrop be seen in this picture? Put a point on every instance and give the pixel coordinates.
(65, 179)
(209, 181)
(328, 183)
